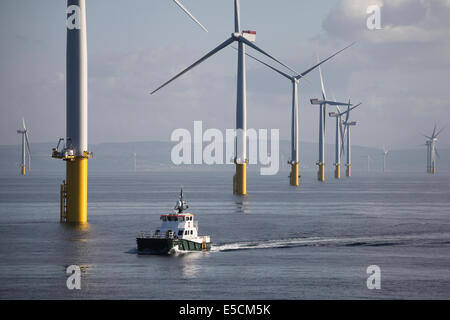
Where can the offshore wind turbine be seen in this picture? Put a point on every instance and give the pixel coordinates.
(190, 14)
(73, 196)
(385, 153)
(339, 137)
(73, 202)
(25, 148)
(347, 125)
(243, 38)
(431, 150)
(322, 111)
(295, 79)
(368, 162)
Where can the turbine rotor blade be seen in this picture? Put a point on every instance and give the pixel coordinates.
(325, 60)
(208, 55)
(334, 103)
(347, 115)
(190, 14)
(267, 65)
(28, 144)
(354, 107)
(250, 44)
(237, 22)
(324, 96)
(429, 138)
(439, 132)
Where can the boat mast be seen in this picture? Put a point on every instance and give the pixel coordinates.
(181, 204)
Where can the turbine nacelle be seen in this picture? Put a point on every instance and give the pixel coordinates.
(250, 35)
(246, 34)
(352, 123)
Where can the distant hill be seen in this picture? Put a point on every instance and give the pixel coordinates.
(155, 155)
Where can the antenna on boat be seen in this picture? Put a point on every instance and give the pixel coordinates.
(181, 204)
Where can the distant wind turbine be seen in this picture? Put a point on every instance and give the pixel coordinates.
(339, 137)
(368, 162)
(322, 112)
(432, 152)
(25, 148)
(385, 153)
(347, 124)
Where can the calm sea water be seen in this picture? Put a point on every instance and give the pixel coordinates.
(279, 242)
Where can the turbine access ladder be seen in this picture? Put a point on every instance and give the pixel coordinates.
(63, 202)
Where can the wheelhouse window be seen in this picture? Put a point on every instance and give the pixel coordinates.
(164, 218)
(192, 231)
(180, 232)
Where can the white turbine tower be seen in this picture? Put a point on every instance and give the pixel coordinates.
(339, 137)
(428, 144)
(347, 125)
(294, 162)
(25, 148)
(368, 162)
(243, 38)
(189, 14)
(431, 150)
(385, 153)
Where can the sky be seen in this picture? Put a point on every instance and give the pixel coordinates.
(400, 73)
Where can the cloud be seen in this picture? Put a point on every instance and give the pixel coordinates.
(399, 72)
(402, 21)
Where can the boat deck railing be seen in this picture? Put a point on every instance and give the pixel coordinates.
(157, 235)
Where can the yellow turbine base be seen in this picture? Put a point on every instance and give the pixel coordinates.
(240, 179)
(321, 172)
(293, 178)
(24, 170)
(76, 181)
(337, 171)
(349, 171)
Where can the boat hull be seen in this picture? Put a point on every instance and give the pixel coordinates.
(169, 246)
